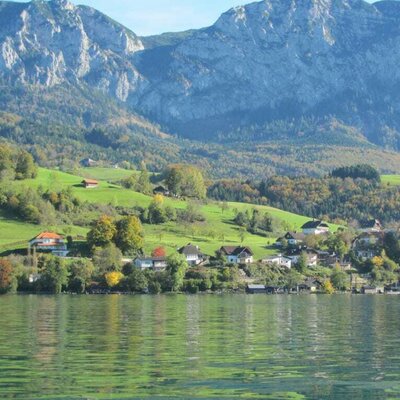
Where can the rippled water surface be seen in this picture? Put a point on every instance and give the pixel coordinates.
(200, 347)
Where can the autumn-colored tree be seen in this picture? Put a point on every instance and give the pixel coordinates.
(102, 232)
(7, 278)
(378, 261)
(328, 287)
(129, 237)
(159, 252)
(113, 278)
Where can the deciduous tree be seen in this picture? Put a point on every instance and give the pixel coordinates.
(102, 232)
(129, 236)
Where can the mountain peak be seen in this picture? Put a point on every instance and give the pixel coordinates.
(64, 4)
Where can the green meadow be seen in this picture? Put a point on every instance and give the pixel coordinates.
(217, 230)
(391, 179)
(105, 174)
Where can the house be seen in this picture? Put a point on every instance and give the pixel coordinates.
(370, 226)
(90, 183)
(292, 238)
(315, 228)
(368, 245)
(49, 242)
(310, 285)
(161, 190)
(312, 256)
(237, 254)
(87, 162)
(372, 290)
(279, 260)
(192, 254)
(254, 289)
(155, 263)
(327, 259)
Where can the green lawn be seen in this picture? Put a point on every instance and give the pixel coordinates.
(15, 234)
(210, 235)
(391, 179)
(105, 174)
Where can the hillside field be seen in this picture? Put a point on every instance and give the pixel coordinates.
(210, 235)
(105, 174)
(391, 179)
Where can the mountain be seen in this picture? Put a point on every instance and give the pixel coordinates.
(280, 60)
(282, 76)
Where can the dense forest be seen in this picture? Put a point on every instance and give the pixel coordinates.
(353, 193)
(60, 127)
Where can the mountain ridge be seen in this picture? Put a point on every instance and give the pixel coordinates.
(255, 74)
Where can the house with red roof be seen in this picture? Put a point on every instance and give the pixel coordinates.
(49, 242)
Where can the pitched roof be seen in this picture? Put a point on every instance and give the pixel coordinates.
(314, 225)
(189, 249)
(236, 250)
(90, 182)
(48, 235)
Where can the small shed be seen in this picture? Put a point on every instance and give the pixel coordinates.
(90, 183)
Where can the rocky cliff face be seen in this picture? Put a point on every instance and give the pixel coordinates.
(280, 59)
(275, 59)
(49, 43)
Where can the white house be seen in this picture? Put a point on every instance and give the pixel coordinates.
(312, 257)
(156, 263)
(315, 228)
(192, 254)
(237, 255)
(279, 260)
(49, 242)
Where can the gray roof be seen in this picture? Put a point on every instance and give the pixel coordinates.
(314, 225)
(190, 249)
(256, 287)
(236, 250)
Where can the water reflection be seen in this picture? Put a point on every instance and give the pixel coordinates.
(207, 347)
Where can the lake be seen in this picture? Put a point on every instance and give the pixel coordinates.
(200, 347)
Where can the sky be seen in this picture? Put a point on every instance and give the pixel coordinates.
(148, 17)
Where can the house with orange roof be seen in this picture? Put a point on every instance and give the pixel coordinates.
(49, 242)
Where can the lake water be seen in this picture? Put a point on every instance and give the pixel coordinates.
(200, 347)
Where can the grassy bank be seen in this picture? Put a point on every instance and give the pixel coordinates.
(217, 230)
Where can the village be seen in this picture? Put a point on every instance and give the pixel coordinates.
(290, 251)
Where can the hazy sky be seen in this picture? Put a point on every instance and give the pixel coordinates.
(146, 17)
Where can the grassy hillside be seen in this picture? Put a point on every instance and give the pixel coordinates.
(105, 174)
(210, 235)
(391, 179)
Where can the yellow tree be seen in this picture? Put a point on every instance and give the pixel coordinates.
(113, 278)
